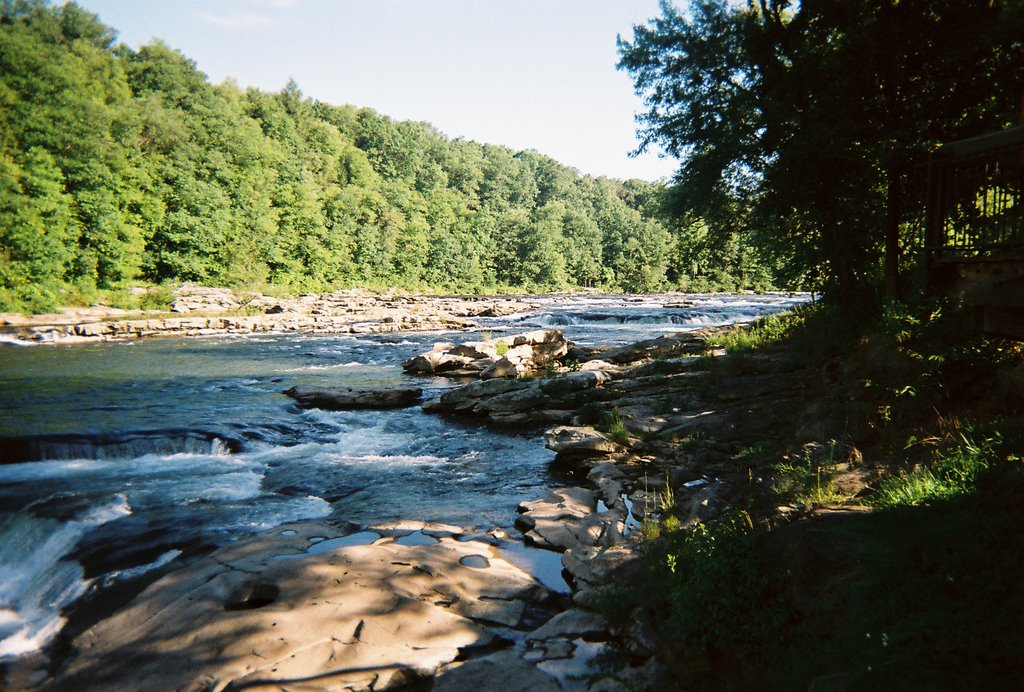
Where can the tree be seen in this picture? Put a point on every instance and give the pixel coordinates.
(810, 113)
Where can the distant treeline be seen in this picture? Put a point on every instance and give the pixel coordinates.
(120, 167)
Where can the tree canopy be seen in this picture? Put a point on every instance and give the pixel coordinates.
(120, 166)
(797, 123)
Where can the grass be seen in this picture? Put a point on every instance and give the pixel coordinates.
(607, 421)
(809, 480)
(951, 473)
(712, 579)
(923, 591)
(763, 332)
(907, 597)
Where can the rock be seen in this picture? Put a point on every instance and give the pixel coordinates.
(608, 479)
(504, 671)
(649, 349)
(563, 534)
(359, 617)
(649, 676)
(477, 350)
(468, 396)
(578, 441)
(574, 382)
(563, 503)
(538, 337)
(640, 636)
(566, 519)
(600, 565)
(571, 624)
(587, 598)
(343, 398)
(506, 357)
(504, 368)
(520, 399)
(426, 362)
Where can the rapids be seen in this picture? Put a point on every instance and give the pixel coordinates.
(118, 459)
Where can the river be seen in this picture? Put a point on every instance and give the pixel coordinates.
(119, 459)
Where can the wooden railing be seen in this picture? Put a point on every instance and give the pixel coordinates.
(974, 199)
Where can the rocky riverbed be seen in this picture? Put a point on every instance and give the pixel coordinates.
(323, 605)
(200, 311)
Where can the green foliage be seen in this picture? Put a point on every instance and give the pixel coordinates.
(786, 152)
(609, 422)
(808, 480)
(711, 578)
(763, 332)
(952, 472)
(119, 166)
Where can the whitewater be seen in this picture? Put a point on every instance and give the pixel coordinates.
(120, 461)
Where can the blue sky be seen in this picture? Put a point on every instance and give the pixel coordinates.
(530, 74)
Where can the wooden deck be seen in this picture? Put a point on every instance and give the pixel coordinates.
(974, 228)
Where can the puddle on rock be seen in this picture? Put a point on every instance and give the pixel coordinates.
(544, 565)
(326, 545)
(478, 561)
(289, 532)
(573, 672)
(631, 522)
(416, 538)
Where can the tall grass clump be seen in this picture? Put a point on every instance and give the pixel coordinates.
(951, 473)
(765, 331)
(808, 479)
(607, 421)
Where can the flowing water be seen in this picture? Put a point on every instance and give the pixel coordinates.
(117, 459)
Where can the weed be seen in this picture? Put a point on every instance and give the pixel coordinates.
(808, 480)
(590, 413)
(753, 455)
(765, 331)
(712, 577)
(156, 298)
(501, 347)
(617, 431)
(951, 473)
(650, 530)
(609, 422)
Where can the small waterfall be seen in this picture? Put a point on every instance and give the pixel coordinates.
(113, 445)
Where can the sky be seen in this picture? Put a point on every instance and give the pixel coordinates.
(529, 74)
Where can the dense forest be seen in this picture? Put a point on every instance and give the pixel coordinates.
(121, 166)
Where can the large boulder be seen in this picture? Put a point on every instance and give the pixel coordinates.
(344, 398)
(666, 346)
(507, 357)
(428, 361)
(358, 617)
(578, 441)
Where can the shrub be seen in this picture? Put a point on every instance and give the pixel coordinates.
(718, 595)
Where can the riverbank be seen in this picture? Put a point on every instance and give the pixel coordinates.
(205, 311)
(510, 610)
(720, 485)
(625, 424)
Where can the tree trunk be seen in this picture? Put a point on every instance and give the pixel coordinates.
(892, 236)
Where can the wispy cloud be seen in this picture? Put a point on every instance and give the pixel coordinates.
(237, 20)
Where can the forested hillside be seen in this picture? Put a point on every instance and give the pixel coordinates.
(120, 166)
